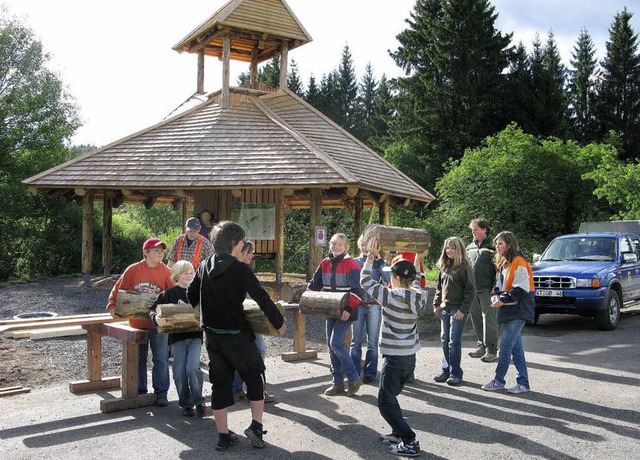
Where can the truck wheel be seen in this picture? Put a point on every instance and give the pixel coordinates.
(609, 317)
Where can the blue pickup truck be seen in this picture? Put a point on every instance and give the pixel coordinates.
(590, 274)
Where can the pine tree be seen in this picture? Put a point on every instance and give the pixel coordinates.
(347, 92)
(454, 91)
(313, 96)
(294, 82)
(383, 113)
(581, 87)
(367, 102)
(520, 91)
(619, 92)
(270, 73)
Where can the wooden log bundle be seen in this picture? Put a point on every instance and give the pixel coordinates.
(323, 303)
(258, 321)
(134, 304)
(180, 317)
(398, 239)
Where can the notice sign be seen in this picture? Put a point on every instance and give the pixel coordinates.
(321, 235)
(258, 220)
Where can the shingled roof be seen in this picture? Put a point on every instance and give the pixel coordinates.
(264, 140)
(254, 24)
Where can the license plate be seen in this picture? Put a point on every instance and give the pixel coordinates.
(549, 292)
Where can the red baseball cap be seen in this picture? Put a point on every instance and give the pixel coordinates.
(152, 243)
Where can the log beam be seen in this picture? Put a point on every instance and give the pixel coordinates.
(87, 237)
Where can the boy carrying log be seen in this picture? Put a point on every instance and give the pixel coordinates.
(220, 286)
(399, 343)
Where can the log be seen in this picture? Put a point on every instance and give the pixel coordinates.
(398, 239)
(282, 291)
(134, 304)
(258, 321)
(323, 303)
(180, 318)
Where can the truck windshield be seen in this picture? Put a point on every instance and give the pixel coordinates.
(581, 248)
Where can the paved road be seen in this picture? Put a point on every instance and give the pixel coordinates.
(585, 404)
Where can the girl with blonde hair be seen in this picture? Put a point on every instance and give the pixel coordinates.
(455, 292)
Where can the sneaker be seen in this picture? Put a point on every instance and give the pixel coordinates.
(334, 390)
(227, 441)
(489, 357)
(354, 387)
(494, 385)
(390, 439)
(453, 380)
(162, 402)
(202, 410)
(239, 396)
(255, 437)
(442, 376)
(411, 449)
(269, 398)
(478, 352)
(188, 412)
(519, 388)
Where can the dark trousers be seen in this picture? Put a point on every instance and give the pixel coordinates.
(396, 370)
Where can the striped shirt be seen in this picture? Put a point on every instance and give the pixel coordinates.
(400, 307)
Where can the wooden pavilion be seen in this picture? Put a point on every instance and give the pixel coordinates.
(236, 152)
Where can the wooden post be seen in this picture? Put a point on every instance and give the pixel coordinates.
(186, 210)
(94, 355)
(385, 210)
(200, 82)
(253, 79)
(87, 237)
(315, 219)
(279, 235)
(130, 360)
(107, 232)
(226, 52)
(357, 225)
(284, 58)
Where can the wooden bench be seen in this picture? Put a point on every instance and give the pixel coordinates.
(130, 338)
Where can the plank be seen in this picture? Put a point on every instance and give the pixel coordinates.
(8, 322)
(57, 332)
(16, 391)
(98, 319)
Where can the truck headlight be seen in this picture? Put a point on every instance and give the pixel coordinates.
(588, 283)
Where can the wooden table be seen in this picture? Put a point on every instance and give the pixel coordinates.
(130, 338)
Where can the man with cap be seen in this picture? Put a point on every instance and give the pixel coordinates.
(148, 275)
(191, 246)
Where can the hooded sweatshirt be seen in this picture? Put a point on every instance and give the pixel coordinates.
(220, 286)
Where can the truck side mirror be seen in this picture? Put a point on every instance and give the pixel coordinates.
(629, 258)
(536, 258)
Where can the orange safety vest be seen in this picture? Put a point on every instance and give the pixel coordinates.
(196, 254)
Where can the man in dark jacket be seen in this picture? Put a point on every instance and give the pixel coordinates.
(220, 286)
(483, 317)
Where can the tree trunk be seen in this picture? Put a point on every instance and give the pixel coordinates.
(398, 239)
(133, 304)
(258, 321)
(322, 303)
(179, 317)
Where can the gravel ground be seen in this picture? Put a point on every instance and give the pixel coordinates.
(41, 362)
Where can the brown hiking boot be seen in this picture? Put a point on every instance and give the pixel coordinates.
(334, 390)
(354, 387)
(478, 352)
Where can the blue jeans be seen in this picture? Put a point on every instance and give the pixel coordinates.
(341, 362)
(451, 338)
(369, 320)
(511, 345)
(187, 374)
(396, 371)
(160, 354)
(237, 380)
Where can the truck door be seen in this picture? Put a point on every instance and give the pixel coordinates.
(630, 272)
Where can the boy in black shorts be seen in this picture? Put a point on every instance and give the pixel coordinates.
(220, 286)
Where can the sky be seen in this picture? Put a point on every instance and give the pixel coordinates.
(116, 57)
